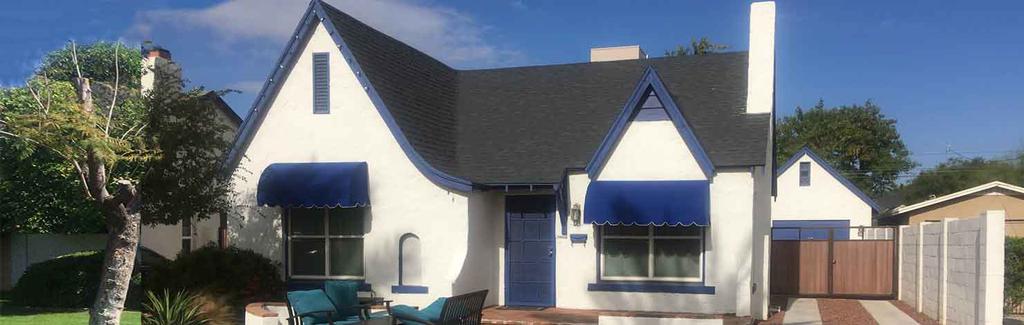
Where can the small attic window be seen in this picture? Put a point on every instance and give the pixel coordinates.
(321, 83)
(805, 174)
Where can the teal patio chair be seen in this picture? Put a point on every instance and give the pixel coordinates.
(464, 309)
(336, 304)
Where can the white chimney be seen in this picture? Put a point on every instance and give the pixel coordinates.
(158, 68)
(761, 65)
(617, 53)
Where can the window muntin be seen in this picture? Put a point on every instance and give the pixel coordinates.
(652, 253)
(326, 243)
(805, 174)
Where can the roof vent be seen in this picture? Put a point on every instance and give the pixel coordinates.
(617, 53)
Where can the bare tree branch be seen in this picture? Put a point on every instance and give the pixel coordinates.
(113, 100)
(35, 96)
(81, 178)
(74, 58)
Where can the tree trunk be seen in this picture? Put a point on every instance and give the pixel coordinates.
(119, 260)
(122, 244)
(122, 219)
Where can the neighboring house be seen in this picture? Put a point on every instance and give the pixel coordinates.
(811, 193)
(970, 202)
(169, 240)
(627, 184)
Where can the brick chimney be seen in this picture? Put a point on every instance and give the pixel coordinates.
(617, 53)
(158, 68)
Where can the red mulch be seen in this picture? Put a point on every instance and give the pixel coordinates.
(843, 311)
(921, 318)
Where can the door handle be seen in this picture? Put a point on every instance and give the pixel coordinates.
(551, 252)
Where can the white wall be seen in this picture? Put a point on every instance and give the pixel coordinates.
(484, 260)
(28, 249)
(162, 239)
(727, 257)
(651, 150)
(402, 199)
(958, 276)
(825, 199)
(654, 150)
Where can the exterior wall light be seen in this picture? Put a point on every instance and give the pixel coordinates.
(575, 214)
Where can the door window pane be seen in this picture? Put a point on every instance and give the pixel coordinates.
(307, 222)
(677, 258)
(625, 257)
(347, 256)
(307, 256)
(347, 221)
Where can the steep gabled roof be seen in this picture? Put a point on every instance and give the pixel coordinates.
(647, 95)
(953, 196)
(525, 125)
(831, 171)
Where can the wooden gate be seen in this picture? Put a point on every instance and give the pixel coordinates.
(833, 262)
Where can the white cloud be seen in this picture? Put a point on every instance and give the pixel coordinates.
(445, 33)
(247, 86)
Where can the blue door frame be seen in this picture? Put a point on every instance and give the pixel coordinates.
(530, 250)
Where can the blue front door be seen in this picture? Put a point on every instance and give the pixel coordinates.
(530, 250)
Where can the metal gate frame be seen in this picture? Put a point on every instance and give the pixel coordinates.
(893, 234)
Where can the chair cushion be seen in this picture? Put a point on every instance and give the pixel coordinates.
(306, 301)
(432, 312)
(344, 295)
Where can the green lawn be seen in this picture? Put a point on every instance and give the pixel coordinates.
(13, 315)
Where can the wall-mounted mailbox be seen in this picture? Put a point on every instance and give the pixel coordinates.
(578, 238)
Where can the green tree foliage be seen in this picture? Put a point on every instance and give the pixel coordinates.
(41, 189)
(703, 46)
(858, 140)
(1013, 289)
(96, 62)
(961, 173)
(156, 153)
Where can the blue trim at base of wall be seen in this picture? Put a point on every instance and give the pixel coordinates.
(651, 287)
(409, 289)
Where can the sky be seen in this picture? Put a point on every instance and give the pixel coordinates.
(950, 73)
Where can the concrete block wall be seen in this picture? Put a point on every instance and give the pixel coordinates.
(953, 270)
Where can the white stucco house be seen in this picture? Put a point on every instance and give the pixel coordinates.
(624, 183)
(811, 193)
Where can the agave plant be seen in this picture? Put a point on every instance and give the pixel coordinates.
(179, 308)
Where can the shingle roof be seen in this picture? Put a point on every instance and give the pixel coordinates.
(527, 124)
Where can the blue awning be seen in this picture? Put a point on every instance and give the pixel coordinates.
(308, 185)
(648, 202)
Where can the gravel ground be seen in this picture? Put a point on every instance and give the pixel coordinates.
(843, 311)
(919, 317)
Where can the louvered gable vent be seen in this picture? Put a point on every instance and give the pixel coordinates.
(321, 84)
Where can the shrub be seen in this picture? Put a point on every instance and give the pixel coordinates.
(69, 281)
(238, 276)
(1013, 289)
(179, 308)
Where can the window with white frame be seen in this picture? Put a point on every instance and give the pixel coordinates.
(326, 243)
(652, 253)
